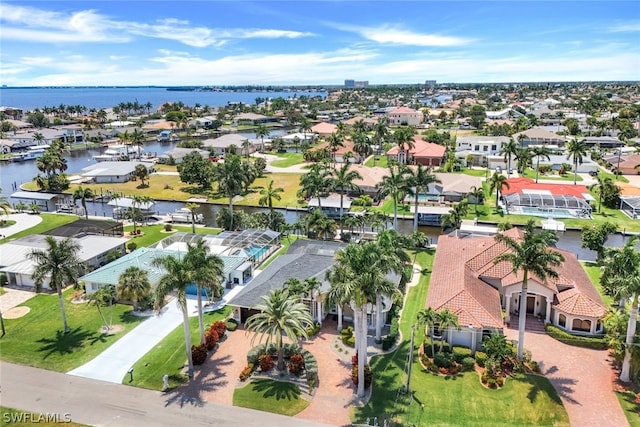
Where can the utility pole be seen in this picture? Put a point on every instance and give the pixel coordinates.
(409, 367)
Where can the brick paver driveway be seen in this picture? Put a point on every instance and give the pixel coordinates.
(217, 379)
(582, 377)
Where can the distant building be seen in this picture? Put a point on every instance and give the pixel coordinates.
(356, 83)
(405, 116)
(349, 83)
(430, 83)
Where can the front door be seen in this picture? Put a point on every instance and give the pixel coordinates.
(531, 304)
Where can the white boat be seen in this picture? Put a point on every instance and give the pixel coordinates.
(552, 224)
(185, 215)
(117, 152)
(32, 153)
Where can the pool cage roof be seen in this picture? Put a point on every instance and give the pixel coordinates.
(550, 201)
(246, 238)
(631, 204)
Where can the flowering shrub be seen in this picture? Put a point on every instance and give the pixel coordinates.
(246, 372)
(220, 327)
(296, 364)
(199, 354)
(266, 363)
(211, 338)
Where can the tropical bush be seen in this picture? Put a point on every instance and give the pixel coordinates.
(443, 360)
(460, 353)
(231, 325)
(481, 358)
(266, 363)
(394, 333)
(313, 329)
(468, 364)
(168, 227)
(246, 372)
(219, 327)
(296, 364)
(576, 340)
(211, 338)
(199, 354)
(368, 375)
(347, 336)
(132, 246)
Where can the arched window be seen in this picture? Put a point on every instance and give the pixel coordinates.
(581, 325)
(562, 320)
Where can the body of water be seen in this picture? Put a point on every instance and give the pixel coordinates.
(97, 97)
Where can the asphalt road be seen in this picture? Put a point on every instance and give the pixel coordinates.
(100, 403)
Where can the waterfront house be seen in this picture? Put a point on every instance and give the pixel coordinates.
(475, 150)
(423, 153)
(466, 281)
(112, 172)
(221, 145)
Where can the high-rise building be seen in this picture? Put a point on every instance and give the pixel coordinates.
(349, 83)
(430, 83)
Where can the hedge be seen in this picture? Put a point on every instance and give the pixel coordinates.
(575, 340)
(460, 353)
(394, 333)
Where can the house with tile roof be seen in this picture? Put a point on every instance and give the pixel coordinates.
(423, 153)
(466, 281)
(405, 116)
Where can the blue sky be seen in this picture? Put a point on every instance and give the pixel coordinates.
(44, 43)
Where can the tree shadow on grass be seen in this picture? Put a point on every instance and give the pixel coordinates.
(539, 384)
(129, 317)
(67, 343)
(278, 389)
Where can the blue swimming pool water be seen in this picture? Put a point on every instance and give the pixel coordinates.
(554, 213)
(256, 251)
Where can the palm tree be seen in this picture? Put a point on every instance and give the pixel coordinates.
(208, 272)
(5, 206)
(280, 314)
(395, 185)
(261, 131)
(496, 183)
(358, 275)
(321, 225)
(381, 132)
(361, 146)
(403, 137)
(178, 277)
(334, 142)
(454, 218)
(193, 207)
(523, 157)
(142, 172)
(311, 288)
(540, 152)
(576, 149)
(268, 194)
(418, 182)
(342, 180)
(509, 150)
(621, 274)
(477, 194)
(137, 202)
(246, 147)
(103, 296)
(446, 320)
(315, 182)
(428, 317)
(230, 176)
(137, 139)
(125, 138)
(133, 285)
(529, 255)
(59, 263)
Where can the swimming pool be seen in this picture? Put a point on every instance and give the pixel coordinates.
(548, 213)
(256, 251)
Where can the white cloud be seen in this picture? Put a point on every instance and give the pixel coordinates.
(625, 27)
(388, 34)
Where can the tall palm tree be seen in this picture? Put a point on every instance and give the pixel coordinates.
(125, 139)
(315, 182)
(496, 183)
(193, 207)
(576, 149)
(178, 277)
(446, 320)
(453, 219)
(523, 157)
(312, 287)
(133, 285)
(381, 132)
(137, 139)
(208, 271)
(321, 225)
(229, 175)
(418, 182)
(103, 296)
(509, 150)
(59, 263)
(356, 278)
(395, 185)
(334, 143)
(280, 314)
(477, 194)
(621, 274)
(403, 137)
(428, 317)
(540, 152)
(342, 180)
(5, 206)
(137, 202)
(268, 195)
(361, 146)
(530, 255)
(261, 131)
(246, 147)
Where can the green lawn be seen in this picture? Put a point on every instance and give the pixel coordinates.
(381, 161)
(594, 273)
(155, 233)
(526, 400)
(288, 159)
(36, 339)
(531, 173)
(630, 408)
(270, 396)
(168, 357)
(17, 418)
(49, 222)
(482, 173)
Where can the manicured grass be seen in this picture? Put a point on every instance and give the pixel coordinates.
(475, 172)
(169, 357)
(154, 233)
(18, 418)
(289, 182)
(382, 161)
(531, 173)
(271, 396)
(594, 273)
(49, 222)
(630, 408)
(36, 339)
(288, 159)
(526, 400)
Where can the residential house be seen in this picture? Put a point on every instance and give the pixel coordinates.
(475, 150)
(324, 129)
(539, 136)
(177, 154)
(627, 164)
(466, 281)
(423, 153)
(252, 119)
(405, 116)
(111, 172)
(221, 145)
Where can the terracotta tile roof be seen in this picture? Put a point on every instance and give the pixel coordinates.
(324, 128)
(421, 149)
(463, 267)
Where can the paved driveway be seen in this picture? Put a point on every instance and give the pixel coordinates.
(582, 377)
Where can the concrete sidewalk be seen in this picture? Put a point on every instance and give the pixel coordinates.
(23, 221)
(97, 403)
